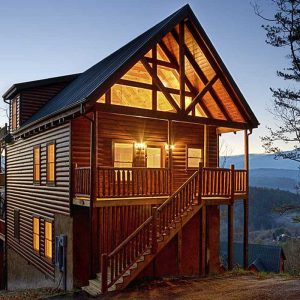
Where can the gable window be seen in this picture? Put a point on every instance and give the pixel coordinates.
(194, 157)
(51, 163)
(37, 164)
(48, 239)
(17, 224)
(36, 234)
(14, 114)
(123, 155)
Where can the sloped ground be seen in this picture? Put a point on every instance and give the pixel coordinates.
(225, 287)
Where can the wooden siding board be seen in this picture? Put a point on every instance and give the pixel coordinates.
(42, 200)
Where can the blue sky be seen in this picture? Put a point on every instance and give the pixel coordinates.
(41, 39)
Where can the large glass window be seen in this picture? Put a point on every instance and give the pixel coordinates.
(194, 157)
(123, 155)
(36, 234)
(51, 163)
(48, 239)
(153, 157)
(36, 164)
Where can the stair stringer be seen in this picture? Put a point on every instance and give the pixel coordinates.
(148, 258)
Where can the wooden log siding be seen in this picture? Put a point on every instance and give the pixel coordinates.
(40, 200)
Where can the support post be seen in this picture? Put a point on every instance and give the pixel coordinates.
(206, 147)
(181, 66)
(200, 173)
(170, 153)
(104, 273)
(230, 236)
(203, 241)
(154, 230)
(246, 204)
(154, 67)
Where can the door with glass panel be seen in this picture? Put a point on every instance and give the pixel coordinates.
(154, 157)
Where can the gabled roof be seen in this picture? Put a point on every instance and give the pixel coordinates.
(98, 78)
(266, 257)
(19, 87)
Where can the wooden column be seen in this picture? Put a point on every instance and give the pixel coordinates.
(206, 146)
(154, 67)
(93, 188)
(203, 242)
(170, 159)
(230, 236)
(246, 204)
(181, 66)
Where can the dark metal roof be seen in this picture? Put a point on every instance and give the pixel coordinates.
(85, 84)
(264, 257)
(95, 80)
(18, 87)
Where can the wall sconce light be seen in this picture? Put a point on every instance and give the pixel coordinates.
(139, 146)
(169, 147)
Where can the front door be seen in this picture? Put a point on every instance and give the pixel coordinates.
(154, 157)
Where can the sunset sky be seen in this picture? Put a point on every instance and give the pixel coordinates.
(41, 39)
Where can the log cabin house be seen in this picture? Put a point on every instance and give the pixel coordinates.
(123, 160)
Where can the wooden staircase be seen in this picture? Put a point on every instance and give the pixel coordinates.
(136, 252)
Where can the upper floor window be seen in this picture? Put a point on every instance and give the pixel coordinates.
(36, 234)
(51, 163)
(154, 157)
(48, 239)
(37, 164)
(194, 157)
(14, 114)
(123, 155)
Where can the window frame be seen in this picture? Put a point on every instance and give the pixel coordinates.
(14, 114)
(37, 251)
(162, 154)
(37, 182)
(187, 156)
(51, 182)
(17, 222)
(51, 222)
(113, 152)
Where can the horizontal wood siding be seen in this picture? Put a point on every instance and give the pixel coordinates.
(40, 200)
(34, 98)
(131, 129)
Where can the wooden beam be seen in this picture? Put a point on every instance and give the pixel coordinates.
(230, 237)
(203, 242)
(217, 69)
(160, 85)
(108, 97)
(246, 204)
(201, 94)
(172, 59)
(148, 86)
(154, 67)
(203, 77)
(161, 63)
(181, 66)
(163, 115)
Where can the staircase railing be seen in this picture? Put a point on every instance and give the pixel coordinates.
(145, 237)
(206, 182)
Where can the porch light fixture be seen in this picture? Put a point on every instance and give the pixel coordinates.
(169, 147)
(140, 146)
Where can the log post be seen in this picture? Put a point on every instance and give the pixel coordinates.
(203, 242)
(230, 236)
(246, 203)
(154, 230)
(104, 269)
(200, 171)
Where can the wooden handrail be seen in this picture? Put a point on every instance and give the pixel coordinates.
(146, 236)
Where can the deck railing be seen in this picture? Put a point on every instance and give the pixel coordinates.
(133, 182)
(147, 182)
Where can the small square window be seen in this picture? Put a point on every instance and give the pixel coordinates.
(194, 157)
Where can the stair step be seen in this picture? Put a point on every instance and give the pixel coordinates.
(95, 284)
(134, 266)
(91, 291)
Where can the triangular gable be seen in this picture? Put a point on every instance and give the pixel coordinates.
(222, 99)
